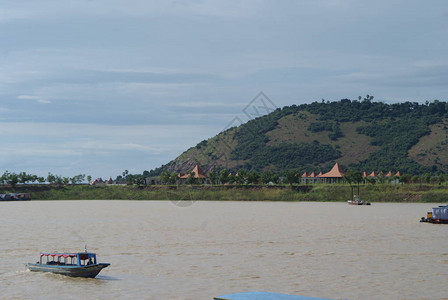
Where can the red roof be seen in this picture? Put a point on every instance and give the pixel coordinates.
(305, 174)
(398, 174)
(313, 175)
(389, 174)
(198, 173)
(373, 174)
(335, 172)
(364, 174)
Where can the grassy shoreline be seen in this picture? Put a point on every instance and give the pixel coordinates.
(412, 193)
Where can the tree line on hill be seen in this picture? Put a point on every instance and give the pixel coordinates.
(394, 128)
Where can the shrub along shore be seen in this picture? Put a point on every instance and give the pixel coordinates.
(321, 192)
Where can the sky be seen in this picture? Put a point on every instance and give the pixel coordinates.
(97, 87)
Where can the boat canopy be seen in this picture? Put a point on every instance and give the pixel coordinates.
(58, 254)
(82, 255)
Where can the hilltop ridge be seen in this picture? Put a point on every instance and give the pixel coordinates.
(360, 134)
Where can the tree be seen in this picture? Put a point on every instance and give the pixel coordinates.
(173, 178)
(291, 176)
(165, 177)
(253, 177)
(89, 178)
(77, 179)
(242, 175)
(51, 178)
(266, 177)
(224, 176)
(10, 178)
(405, 178)
(213, 176)
(139, 180)
(353, 176)
(191, 179)
(23, 177)
(233, 178)
(130, 179)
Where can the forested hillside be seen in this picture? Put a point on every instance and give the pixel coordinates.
(361, 134)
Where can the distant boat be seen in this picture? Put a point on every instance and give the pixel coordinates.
(15, 197)
(357, 201)
(83, 264)
(438, 215)
(264, 296)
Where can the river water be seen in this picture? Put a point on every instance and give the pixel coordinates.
(159, 250)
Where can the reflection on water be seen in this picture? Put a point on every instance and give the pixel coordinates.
(158, 250)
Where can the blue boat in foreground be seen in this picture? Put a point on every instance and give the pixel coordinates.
(264, 296)
(82, 264)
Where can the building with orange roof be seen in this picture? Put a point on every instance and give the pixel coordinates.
(336, 174)
(197, 173)
(309, 178)
(98, 181)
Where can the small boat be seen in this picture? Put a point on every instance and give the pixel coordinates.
(438, 215)
(82, 264)
(15, 197)
(357, 201)
(264, 296)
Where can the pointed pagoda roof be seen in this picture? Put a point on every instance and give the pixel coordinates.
(335, 172)
(373, 174)
(312, 175)
(198, 173)
(389, 174)
(364, 174)
(304, 175)
(319, 175)
(398, 174)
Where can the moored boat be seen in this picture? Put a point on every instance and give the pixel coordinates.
(438, 215)
(357, 201)
(264, 296)
(15, 197)
(82, 264)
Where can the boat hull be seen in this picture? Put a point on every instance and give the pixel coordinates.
(89, 271)
(434, 221)
(358, 203)
(15, 197)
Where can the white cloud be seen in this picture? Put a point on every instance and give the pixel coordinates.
(34, 98)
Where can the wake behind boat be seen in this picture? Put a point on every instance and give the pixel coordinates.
(82, 264)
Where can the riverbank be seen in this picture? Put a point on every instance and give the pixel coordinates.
(330, 193)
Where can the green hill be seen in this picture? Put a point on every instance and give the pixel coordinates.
(365, 135)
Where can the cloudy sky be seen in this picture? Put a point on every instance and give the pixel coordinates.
(99, 86)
